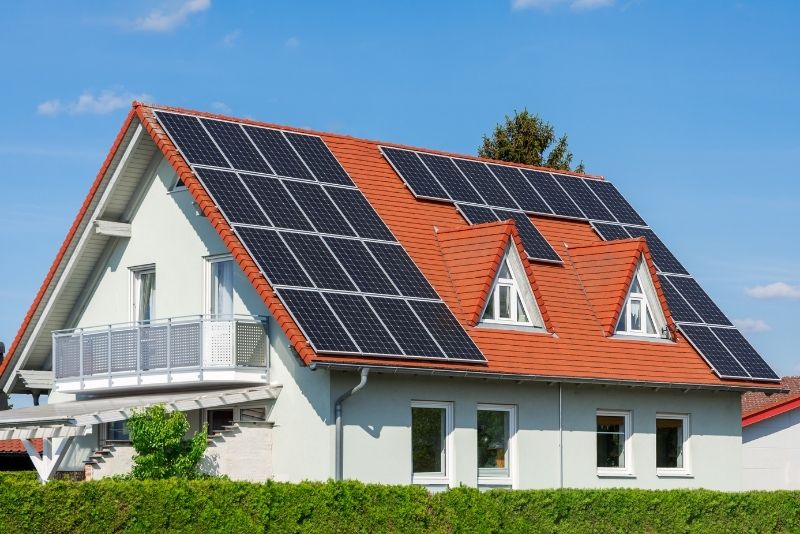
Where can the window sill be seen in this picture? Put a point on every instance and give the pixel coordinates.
(495, 481)
(677, 473)
(430, 480)
(614, 473)
(634, 337)
(512, 326)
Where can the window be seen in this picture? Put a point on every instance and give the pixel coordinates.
(672, 445)
(117, 432)
(510, 302)
(496, 435)
(220, 297)
(614, 450)
(431, 450)
(641, 314)
(144, 293)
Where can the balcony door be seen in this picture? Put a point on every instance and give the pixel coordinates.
(220, 302)
(144, 294)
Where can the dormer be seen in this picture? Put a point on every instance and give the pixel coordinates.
(641, 314)
(510, 300)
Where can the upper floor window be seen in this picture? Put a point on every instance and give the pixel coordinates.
(431, 442)
(511, 300)
(672, 444)
(641, 314)
(220, 297)
(614, 448)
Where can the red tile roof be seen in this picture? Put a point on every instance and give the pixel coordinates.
(577, 347)
(14, 446)
(759, 406)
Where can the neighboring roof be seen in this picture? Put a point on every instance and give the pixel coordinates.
(758, 406)
(606, 271)
(15, 446)
(577, 347)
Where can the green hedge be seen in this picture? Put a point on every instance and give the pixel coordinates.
(226, 506)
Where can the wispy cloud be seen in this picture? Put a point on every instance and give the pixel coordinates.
(90, 103)
(292, 42)
(231, 39)
(752, 325)
(171, 16)
(221, 107)
(777, 290)
(575, 5)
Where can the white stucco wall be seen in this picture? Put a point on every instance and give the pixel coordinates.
(771, 453)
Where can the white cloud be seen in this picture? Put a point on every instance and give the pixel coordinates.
(777, 290)
(575, 5)
(221, 107)
(232, 38)
(292, 42)
(752, 325)
(161, 20)
(90, 103)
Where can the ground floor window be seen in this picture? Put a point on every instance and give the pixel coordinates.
(219, 419)
(431, 427)
(117, 432)
(496, 434)
(613, 443)
(672, 435)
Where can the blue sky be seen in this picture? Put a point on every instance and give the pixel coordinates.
(690, 108)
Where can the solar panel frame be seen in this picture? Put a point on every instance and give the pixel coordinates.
(227, 191)
(665, 260)
(702, 338)
(318, 322)
(402, 270)
(680, 310)
(610, 231)
(520, 188)
(452, 180)
(406, 328)
(319, 158)
(263, 243)
(580, 193)
(745, 354)
(699, 300)
(553, 194)
(319, 208)
(276, 202)
(476, 214)
(318, 261)
(615, 202)
(536, 246)
(363, 269)
(446, 330)
(363, 324)
(360, 214)
(408, 165)
(192, 140)
(486, 184)
(237, 147)
(278, 152)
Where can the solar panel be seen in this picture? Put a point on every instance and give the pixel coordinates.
(416, 176)
(713, 351)
(406, 328)
(319, 158)
(551, 192)
(699, 299)
(446, 330)
(536, 246)
(610, 232)
(523, 192)
(615, 202)
(458, 188)
(361, 266)
(276, 202)
(231, 197)
(319, 208)
(364, 326)
(486, 184)
(233, 142)
(318, 261)
(587, 201)
(317, 321)
(476, 214)
(278, 152)
(402, 270)
(191, 139)
(678, 307)
(743, 351)
(273, 257)
(357, 209)
(663, 258)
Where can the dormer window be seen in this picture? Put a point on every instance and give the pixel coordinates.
(641, 314)
(511, 300)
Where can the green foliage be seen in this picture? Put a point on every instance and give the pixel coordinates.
(158, 437)
(214, 505)
(528, 139)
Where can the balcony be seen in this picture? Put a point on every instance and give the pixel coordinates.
(161, 353)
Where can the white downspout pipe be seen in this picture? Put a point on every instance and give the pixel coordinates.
(560, 441)
(338, 475)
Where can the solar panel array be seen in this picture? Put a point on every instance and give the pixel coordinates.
(347, 282)
(488, 192)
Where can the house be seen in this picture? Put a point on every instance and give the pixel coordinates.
(771, 438)
(335, 307)
(14, 457)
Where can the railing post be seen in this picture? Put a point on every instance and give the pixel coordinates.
(234, 355)
(109, 355)
(169, 350)
(201, 344)
(56, 358)
(138, 353)
(80, 356)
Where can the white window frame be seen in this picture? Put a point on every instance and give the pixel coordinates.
(208, 280)
(135, 282)
(512, 479)
(628, 470)
(649, 303)
(686, 470)
(448, 478)
(517, 293)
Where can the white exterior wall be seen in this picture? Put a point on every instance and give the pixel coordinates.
(771, 453)
(378, 434)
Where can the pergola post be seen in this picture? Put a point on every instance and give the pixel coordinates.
(52, 454)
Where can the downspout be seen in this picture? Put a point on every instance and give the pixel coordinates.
(339, 431)
(560, 441)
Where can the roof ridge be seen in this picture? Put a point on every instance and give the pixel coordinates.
(154, 106)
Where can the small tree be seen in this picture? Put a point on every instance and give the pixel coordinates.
(158, 437)
(526, 138)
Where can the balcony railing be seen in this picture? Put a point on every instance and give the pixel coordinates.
(184, 349)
